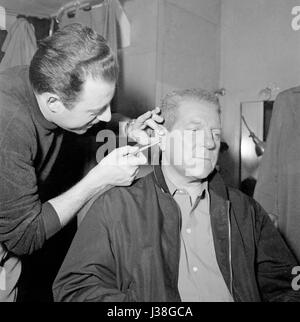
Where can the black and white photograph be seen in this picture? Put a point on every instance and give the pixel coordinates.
(148, 154)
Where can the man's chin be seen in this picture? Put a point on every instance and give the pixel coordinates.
(197, 173)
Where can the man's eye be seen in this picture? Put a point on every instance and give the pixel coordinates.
(95, 114)
(217, 136)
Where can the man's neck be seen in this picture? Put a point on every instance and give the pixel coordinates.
(179, 179)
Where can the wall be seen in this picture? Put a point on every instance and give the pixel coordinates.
(188, 45)
(136, 92)
(258, 49)
(175, 44)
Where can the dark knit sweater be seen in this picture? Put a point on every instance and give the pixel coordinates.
(29, 146)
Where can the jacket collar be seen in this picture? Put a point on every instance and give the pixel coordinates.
(215, 182)
(160, 179)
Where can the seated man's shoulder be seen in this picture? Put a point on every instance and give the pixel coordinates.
(138, 185)
(244, 202)
(236, 193)
(118, 201)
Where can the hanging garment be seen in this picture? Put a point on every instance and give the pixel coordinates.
(41, 26)
(3, 34)
(112, 23)
(110, 27)
(108, 20)
(2, 18)
(19, 45)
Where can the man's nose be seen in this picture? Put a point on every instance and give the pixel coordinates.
(105, 116)
(209, 141)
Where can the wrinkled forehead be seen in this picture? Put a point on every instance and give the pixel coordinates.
(193, 111)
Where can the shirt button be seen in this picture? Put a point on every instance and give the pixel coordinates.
(189, 230)
(195, 269)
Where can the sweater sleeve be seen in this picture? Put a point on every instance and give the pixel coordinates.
(25, 223)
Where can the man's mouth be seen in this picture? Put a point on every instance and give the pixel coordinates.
(201, 158)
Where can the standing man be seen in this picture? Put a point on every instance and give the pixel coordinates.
(68, 86)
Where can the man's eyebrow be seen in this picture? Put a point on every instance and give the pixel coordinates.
(197, 122)
(202, 122)
(97, 109)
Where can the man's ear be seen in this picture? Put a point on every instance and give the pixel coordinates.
(54, 103)
(163, 138)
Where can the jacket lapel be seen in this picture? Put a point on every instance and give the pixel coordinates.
(220, 222)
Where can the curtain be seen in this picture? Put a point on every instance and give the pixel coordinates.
(102, 19)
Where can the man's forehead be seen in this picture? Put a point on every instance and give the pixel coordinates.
(196, 103)
(193, 111)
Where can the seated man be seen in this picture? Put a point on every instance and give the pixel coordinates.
(178, 234)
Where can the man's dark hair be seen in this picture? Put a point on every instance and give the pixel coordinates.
(172, 101)
(64, 61)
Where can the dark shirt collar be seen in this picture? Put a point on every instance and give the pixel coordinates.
(198, 189)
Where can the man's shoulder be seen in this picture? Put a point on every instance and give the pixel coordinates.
(134, 191)
(116, 200)
(239, 196)
(236, 196)
(245, 205)
(14, 71)
(13, 92)
(15, 118)
(13, 78)
(16, 124)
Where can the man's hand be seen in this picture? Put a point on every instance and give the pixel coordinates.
(139, 130)
(118, 168)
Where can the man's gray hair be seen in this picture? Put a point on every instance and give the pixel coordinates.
(172, 100)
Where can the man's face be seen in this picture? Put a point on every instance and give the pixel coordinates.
(192, 146)
(92, 107)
